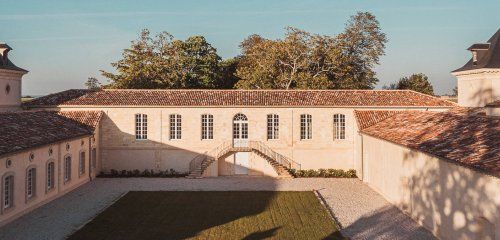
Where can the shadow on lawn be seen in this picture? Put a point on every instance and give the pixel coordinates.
(212, 215)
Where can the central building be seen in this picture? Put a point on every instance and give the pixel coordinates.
(233, 132)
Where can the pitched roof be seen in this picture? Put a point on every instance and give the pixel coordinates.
(464, 136)
(25, 130)
(90, 119)
(491, 59)
(129, 97)
(9, 65)
(369, 118)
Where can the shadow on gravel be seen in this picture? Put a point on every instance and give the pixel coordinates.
(387, 223)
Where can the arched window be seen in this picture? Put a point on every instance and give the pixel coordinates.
(305, 126)
(81, 163)
(273, 123)
(30, 183)
(207, 126)
(50, 175)
(175, 126)
(67, 168)
(141, 126)
(8, 191)
(240, 117)
(339, 126)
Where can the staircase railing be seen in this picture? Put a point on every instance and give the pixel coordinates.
(215, 153)
(279, 158)
(227, 146)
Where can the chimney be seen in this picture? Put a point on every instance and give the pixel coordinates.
(4, 52)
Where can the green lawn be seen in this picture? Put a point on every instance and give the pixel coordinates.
(212, 215)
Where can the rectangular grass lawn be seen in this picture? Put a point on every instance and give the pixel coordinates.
(212, 215)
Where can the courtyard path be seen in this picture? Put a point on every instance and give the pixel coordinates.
(363, 213)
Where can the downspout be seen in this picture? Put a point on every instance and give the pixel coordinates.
(362, 158)
(90, 158)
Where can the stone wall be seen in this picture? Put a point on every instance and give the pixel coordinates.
(452, 201)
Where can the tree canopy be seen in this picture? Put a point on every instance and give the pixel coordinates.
(164, 62)
(299, 61)
(310, 61)
(417, 82)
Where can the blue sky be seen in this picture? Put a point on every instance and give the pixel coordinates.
(62, 43)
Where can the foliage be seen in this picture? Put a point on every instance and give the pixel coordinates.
(92, 83)
(164, 62)
(324, 173)
(454, 91)
(310, 61)
(169, 173)
(416, 82)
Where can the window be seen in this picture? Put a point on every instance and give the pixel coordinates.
(207, 126)
(7, 89)
(81, 163)
(339, 126)
(141, 126)
(50, 175)
(305, 126)
(67, 168)
(94, 157)
(273, 123)
(175, 126)
(30, 183)
(8, 192)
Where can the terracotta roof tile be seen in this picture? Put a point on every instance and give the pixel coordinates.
(25, 130)
(464, 136)
(90, 119)
(239, 98)
(369, 118)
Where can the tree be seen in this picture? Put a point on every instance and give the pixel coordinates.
(93, 83)
(163, 62)
(311, 61)
(416, 82)
(454, 91)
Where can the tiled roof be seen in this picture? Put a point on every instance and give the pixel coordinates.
(369, 118)
(239, 98)
(88, 118)
(464, 136)
(25, 130)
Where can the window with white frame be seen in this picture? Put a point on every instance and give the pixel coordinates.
(81, 163)
(141, 126)
(207, 126)
(175, 126)
(50, 175)
(339, 126)
(67, 168)
(30, 183)
(8, 192)
(273, 123)
(305, 126)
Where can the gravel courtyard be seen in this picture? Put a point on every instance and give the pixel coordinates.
(361, 212)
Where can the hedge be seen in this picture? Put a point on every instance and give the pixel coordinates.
(324, 173)
(146, 173)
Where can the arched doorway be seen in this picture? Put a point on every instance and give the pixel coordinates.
(240, 139)
(240, 130)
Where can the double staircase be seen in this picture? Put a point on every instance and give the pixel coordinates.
(281, 164)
